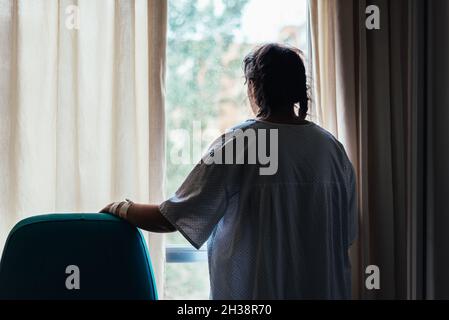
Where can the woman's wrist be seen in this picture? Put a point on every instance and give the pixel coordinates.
(124, 208)
(121, 209)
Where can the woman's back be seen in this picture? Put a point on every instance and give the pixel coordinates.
(282, 235)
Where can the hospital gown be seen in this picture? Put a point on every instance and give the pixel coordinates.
(278, 236)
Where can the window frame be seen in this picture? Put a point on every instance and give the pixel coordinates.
(184, 254)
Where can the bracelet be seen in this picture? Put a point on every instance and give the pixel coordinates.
(123, 211)
(121, 208)
(114, 207)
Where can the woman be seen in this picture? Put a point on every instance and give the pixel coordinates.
(282, 235)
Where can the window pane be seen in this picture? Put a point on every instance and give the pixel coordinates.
(187, 281)
(206, 93)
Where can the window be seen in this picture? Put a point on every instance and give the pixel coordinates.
(207, 40)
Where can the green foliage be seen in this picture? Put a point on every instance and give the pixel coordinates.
(199, 38)
(200, 33)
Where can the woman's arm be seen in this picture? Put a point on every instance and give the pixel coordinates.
(147, 217)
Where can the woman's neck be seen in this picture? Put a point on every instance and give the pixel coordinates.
(287, 119)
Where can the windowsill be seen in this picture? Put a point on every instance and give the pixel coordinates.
(184, 254)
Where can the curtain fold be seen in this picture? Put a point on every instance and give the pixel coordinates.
(437, 149)
(157, 30)
(381, 92)
(81, 107)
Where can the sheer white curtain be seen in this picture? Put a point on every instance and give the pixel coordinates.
(81, 107)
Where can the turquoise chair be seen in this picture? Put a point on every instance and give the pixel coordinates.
(76, 256)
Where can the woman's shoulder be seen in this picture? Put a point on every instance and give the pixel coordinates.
(334, 141)
(243, 125)
(324, 133)
(310, 129)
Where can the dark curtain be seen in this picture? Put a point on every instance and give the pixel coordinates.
(400, 76)
(436, 108)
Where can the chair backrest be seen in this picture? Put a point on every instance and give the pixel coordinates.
(76, 256)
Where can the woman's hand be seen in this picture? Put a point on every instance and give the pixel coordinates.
(119, 209)
(107, 209)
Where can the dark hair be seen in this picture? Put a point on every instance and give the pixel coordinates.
(277, 78)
